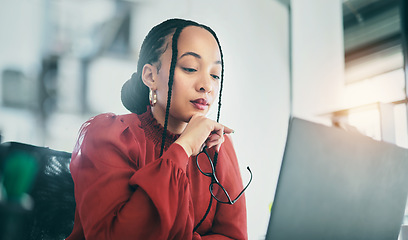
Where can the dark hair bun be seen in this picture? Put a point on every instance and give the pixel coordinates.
(135, 95)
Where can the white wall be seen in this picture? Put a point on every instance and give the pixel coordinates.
(21, 27)
(318, 57)
(254, 37)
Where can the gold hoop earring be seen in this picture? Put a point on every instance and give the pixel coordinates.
(152, 97)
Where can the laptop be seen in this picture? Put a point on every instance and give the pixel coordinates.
(337, 185)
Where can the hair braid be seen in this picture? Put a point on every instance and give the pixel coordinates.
(218, 118)
(170, 83)
(221, 83)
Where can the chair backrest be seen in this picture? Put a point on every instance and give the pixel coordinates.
(42, 176)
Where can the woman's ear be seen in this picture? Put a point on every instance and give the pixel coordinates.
(149, 76)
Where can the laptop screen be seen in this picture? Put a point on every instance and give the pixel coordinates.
(338, 185)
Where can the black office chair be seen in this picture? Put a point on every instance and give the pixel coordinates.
(41, 176)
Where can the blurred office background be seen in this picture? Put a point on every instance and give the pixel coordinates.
(336, 62)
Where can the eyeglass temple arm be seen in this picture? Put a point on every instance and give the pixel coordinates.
(243, 190)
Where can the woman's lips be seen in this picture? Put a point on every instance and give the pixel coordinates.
(201, 103)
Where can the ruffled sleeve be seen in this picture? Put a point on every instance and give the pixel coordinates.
(119, 195)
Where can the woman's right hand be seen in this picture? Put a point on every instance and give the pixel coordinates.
(202, 131)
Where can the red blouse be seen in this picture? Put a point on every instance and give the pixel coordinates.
(123, 190)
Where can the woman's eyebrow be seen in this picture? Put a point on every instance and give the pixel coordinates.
(196, 55)
(191, 54)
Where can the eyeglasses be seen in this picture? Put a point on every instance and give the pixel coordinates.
(215, 186)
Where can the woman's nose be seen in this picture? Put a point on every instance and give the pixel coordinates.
(205, 84)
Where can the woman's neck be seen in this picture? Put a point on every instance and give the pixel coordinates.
(173, 125)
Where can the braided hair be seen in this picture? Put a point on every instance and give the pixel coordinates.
(135, 94)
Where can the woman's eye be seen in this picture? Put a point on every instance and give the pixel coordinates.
(190, 70)
(215, 76)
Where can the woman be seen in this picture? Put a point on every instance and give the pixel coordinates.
(138, 176)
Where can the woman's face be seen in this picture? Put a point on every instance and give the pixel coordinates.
(197, 76)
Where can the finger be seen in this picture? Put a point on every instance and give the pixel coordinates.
(213, 137)
(216, 142)
(225, 129)
(218, 129)
(218, 147)
(228, 130)
(213, 143)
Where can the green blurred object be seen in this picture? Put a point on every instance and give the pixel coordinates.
(20, 169)
(38, 201)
